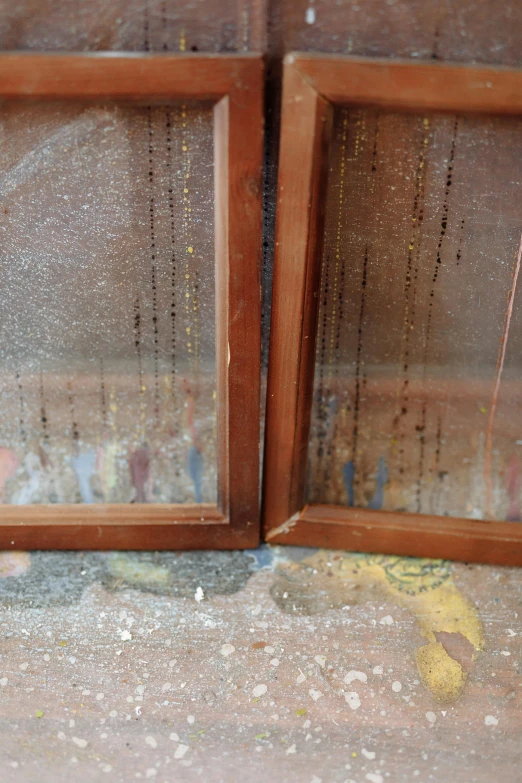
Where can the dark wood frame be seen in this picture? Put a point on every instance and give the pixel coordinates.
(312, 84)
(234, 85)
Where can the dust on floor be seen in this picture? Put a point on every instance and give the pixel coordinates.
(287, 664)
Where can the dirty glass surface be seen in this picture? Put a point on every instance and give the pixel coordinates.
(107, 351)
(418, 391)
(127, 25)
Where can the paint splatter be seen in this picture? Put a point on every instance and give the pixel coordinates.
(310, 15)
(173, 282)
(409, 290)
(8, 466)
(14, 563)
(195, 470)
(421, 427)
(377, 501)
(425, 588)
(195, 464)
(21, 398)
(348, 478)
(153, 266)
(106, 467)
(353, 700)
(358, 359)
(138, 573)
(139, 464)
(32, 466)
(355, 675)
(84, 466)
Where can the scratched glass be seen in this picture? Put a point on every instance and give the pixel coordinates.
(107, 356)
(417, 390)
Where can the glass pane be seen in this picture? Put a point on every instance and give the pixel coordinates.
(123, 25)
(107, 356)
(417, 405)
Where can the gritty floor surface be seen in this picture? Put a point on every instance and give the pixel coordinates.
(283, 664)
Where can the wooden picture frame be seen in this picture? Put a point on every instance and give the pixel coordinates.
(234, 85)
(312, 84)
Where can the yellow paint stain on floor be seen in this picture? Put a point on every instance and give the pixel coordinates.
(140, 574)
(440, 673)
(427, 590)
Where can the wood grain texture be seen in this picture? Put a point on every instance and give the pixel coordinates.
(414, 535)
(95, 76)
(412, 86)
(239, 125)
(235, 85)
(347, 80)
(306, 127)
(120, 526)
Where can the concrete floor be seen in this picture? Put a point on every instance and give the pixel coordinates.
(284, 664)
